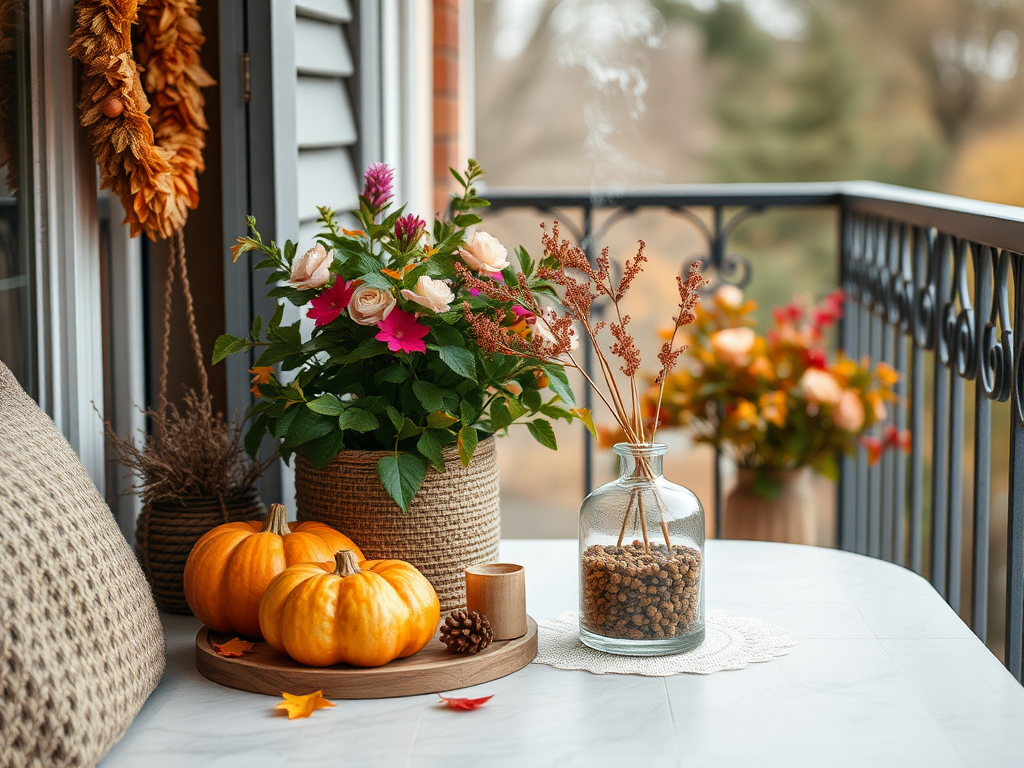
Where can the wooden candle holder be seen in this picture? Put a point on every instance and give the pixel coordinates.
(498, 591)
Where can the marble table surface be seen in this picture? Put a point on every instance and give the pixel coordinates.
(883, 673)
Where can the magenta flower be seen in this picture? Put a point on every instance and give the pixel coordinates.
(379, 182)
(408, 230)
(402, 333)
(326, 307)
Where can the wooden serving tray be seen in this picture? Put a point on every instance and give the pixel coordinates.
(432, 670)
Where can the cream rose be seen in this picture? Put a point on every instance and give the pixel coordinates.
(312, 269)
(729, 297)
(820, 387)
(432, 294)
(849, 412)
(370, 305)
(733, 346)
(484, 253)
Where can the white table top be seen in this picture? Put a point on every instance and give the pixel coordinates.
(883, 674)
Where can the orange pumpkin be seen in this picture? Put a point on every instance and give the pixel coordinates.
(364, 614)
(230, 567)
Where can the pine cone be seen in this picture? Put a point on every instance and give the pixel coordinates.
(466, 632)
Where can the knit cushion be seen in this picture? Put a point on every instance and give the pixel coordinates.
(81, 645)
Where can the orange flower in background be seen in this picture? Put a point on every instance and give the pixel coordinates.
(762, 367)
(353, 232)
(745, 415)
(263, 374)
(608, 437)
(886, 374)
(773, 408)
(775, 400)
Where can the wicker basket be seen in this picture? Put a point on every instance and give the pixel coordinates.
(167, 531)
(453, 521)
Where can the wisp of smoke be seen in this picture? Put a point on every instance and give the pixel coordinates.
(609, 40)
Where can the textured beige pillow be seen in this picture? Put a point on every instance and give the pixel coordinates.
(81, 645)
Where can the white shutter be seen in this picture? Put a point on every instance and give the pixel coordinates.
(325, 124)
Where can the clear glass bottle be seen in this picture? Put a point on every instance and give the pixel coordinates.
(641, 560)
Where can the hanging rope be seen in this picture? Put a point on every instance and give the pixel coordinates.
(176, 258)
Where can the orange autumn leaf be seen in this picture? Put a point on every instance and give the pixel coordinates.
(465, 703)
(262, 375)
(302, 706)
(233, 647)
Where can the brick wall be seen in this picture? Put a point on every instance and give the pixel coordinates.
(446, 99)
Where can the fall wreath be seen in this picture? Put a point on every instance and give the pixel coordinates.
(150, 161)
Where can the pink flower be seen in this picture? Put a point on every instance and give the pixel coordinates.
(408, 230)
(521, 312)
(326, 307)
(402, 333)
(379, 181)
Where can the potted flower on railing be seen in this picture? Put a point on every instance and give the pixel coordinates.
(391, 404)
(777, 406)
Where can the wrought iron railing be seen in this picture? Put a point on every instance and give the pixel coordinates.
(931, 282)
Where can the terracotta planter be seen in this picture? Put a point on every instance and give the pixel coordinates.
(454, 521)
(789, 517)
(166, 532)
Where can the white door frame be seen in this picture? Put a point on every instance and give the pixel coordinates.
(67, 271)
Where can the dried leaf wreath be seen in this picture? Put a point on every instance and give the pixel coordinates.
(150, 162)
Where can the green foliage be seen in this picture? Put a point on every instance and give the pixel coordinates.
(348, 390)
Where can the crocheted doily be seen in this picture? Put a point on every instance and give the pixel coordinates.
(731, 642)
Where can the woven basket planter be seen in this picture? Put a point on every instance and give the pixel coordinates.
(453, 521)
(166, 532)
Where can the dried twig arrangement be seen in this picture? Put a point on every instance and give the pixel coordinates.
(192, 453)
(553, 335)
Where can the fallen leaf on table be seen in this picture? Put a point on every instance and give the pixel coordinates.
(465, 703)
(233, 647)
(302, 706)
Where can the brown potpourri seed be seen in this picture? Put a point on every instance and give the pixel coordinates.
(634, 594)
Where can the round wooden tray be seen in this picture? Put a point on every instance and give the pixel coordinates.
(432, 670)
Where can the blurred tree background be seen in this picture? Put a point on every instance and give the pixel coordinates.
(606, 93)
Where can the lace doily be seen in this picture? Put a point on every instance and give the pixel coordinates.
(731, 642)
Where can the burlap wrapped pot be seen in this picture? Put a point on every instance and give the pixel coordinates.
(167, 531)
(453, 521)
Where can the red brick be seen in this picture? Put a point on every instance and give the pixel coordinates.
(446, 74)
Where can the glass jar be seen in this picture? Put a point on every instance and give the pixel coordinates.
(641, 560)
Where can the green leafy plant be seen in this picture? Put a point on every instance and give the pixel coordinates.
(392, 363)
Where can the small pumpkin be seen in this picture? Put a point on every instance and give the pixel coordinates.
(230, 567)
(360, 613)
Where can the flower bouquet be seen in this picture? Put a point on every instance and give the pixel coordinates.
(392, 363)
(775, 402)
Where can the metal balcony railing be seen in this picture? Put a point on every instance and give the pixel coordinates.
(931, 282)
